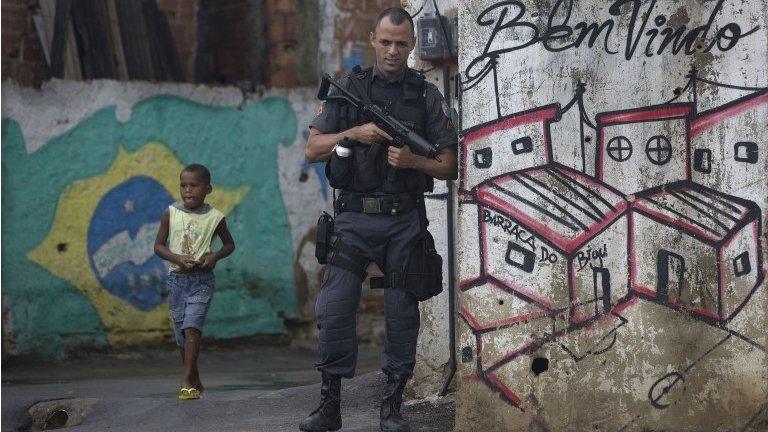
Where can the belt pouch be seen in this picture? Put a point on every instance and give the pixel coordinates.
(323, 237)
(424, 269)
(339, 171)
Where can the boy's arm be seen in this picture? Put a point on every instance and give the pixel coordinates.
(161, 249)
(227, 247)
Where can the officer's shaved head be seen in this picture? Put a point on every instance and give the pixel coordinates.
(396, 15)
(393, 40)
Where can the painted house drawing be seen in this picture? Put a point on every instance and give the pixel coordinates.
(555, 237)
(560, 250)
(732, 138)
(643, 148)
(512, 143)
(708, 259)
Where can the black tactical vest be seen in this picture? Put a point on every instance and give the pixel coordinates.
(366, 170)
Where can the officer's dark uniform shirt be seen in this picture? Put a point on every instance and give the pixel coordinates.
(440, 130)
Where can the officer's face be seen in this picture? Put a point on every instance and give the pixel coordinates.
(393, 44)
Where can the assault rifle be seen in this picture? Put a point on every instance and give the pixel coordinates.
(400, 133)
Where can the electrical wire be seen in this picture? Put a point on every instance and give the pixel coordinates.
(420, 9)
(423, 71)
(730, 86)
(692, 77)
(442, 26)
(583, 115)
(687, 85)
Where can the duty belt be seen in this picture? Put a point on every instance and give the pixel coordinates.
(378, 204)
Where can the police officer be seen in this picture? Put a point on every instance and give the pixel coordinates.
(378, 213)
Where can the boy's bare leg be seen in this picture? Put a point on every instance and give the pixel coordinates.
(191, 377)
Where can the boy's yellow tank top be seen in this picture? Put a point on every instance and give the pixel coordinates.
(190, 233)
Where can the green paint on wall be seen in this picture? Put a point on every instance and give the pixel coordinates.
(49, 316)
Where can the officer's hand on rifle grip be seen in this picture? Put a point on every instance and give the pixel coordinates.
(401, 157)
(369, 133)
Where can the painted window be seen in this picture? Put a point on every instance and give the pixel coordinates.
(745, 151)
(522, 145)
(658, 149)
(520, 257)
(619, 148)
(483, 158)
(741, 264)
(466, 354)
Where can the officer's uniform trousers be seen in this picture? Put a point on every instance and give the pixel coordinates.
(385, 239)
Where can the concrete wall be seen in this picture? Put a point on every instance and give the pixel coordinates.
(612, 216)
(84, 183)
(433, 350)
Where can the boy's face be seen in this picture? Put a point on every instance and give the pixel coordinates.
(193, 189)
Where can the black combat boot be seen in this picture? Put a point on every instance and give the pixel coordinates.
(390, 419)
(326, 417)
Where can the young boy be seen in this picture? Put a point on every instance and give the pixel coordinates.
(184, 239)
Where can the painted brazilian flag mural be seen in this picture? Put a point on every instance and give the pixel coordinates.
(81, 213)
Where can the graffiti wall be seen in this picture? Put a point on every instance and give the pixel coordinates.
(87, 170)
(612, 216)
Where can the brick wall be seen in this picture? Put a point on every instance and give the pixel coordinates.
(222, 54)
(182, 19)
(282, 36)
(22, 54)
(271, 43)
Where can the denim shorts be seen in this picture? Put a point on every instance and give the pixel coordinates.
(189, 296)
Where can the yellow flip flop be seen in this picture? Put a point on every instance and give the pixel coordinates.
(189, 393)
